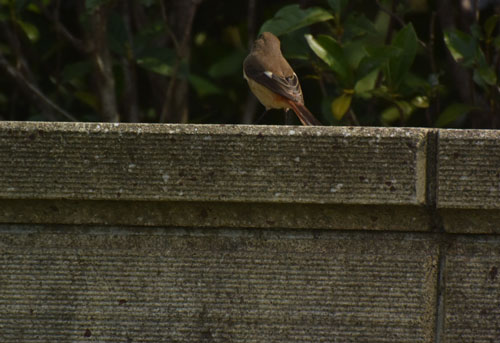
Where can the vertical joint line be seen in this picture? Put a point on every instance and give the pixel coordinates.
(440, 294)
(436, 225)
(431, 181)
(431, 169)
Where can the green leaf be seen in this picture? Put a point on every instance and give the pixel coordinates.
(147, 3)
(488, 74)
(20, 5)
(76, 70)
(87, 98)
(476, 31)
(326, 110)
(377, 57)
(398, 67)
(354, 52)
(463, 47)
(146, 38)
(496, 42)
(203, 86)
(326, 48)
(294, 46)
(292, 17)
(29, 29)
(390, 115)
(228, 65)
(358, 25)
(341, 105)
(484, 76)
(416, 83)
(452, 113)
(92, 5)
(401, 111)
(159, 60)
(338, 6)
(366, 85)
(490, 24)
(33, 8)
(420, 101)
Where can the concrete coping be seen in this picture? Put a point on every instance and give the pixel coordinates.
(392, 169)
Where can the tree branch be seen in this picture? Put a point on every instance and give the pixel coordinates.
(15, 45)
(31, 90)
(101, 57)
(175, 107)
(251, 102)
(391, 13)
(396, 17)
(130, 103)
(63, 31)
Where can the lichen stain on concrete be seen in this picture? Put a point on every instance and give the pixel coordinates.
(165, 177)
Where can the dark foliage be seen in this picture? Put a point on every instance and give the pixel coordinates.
(393, 62)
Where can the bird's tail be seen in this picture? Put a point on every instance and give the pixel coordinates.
(305, 117)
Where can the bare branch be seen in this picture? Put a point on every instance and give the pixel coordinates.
(432, 60)
(31, 90)
(251, 102)
(396, 17)
(353, 118)
(101, 57)
(391, 13)
(15, 45)
(130, 105)
(63, 31)
(170, 92)
(171, 34)
(175, 107)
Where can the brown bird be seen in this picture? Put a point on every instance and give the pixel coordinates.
(273, 81)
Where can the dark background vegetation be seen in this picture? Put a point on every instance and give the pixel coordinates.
(392, 62)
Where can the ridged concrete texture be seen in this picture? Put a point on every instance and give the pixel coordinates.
(472, 290)
(212, 162)
(215, 233)
(70, 284)
(469, 169)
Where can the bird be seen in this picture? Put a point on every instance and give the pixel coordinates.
(273, 81)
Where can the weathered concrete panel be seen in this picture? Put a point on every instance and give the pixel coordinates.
(472, 290)
(469, 169)
(340, 165)
(71, 284)
(209, 233)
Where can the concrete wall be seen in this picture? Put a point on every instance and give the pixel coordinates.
(211, 233)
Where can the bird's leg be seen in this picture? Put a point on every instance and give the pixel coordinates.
(261, 117)
(288, 117)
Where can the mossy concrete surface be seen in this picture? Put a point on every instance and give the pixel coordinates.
(225, 233)
(472, 280)
(107, 284)
(469, 169)
(211, 163)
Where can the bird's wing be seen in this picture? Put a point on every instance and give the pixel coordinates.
(288, 87)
